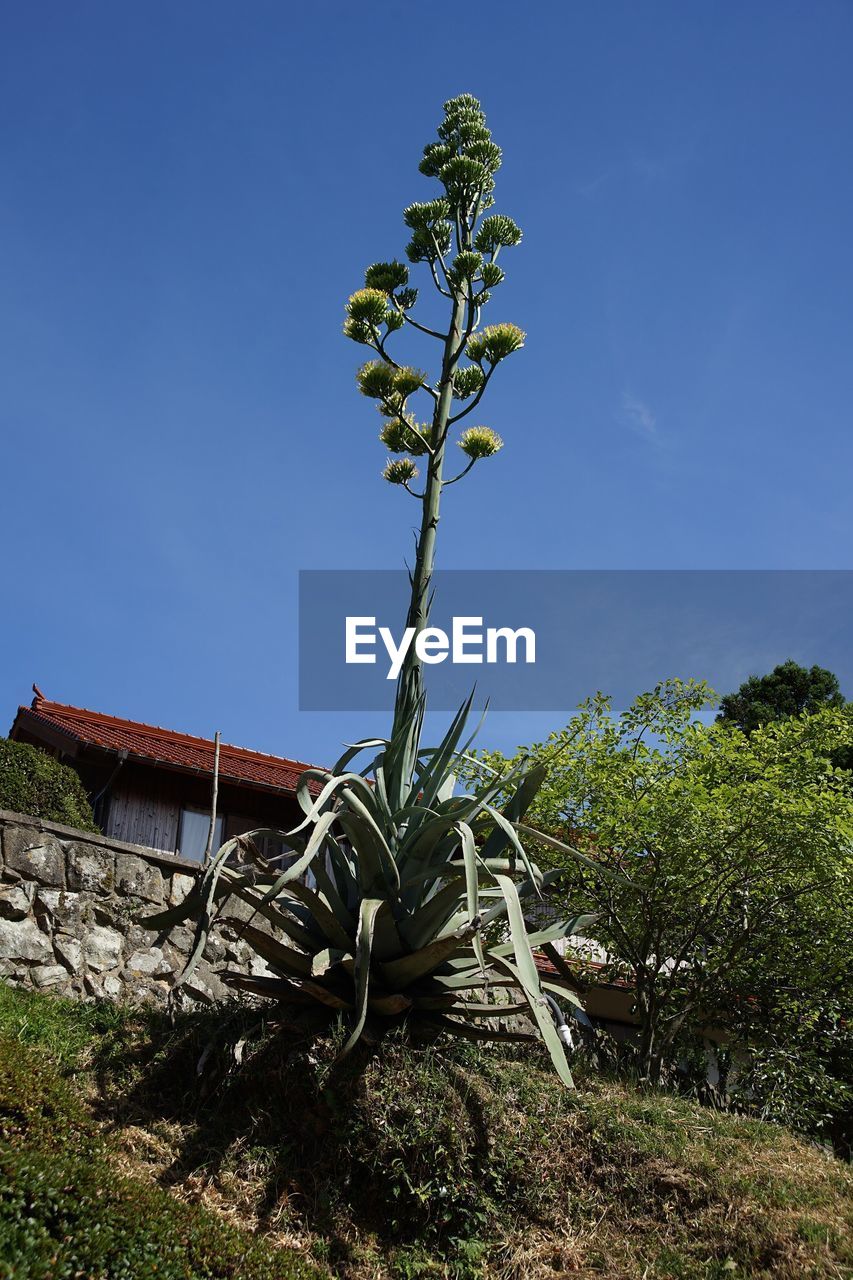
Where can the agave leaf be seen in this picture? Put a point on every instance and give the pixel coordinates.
(337, 783)
(326, 960)
(431, 919)
(207, 889)
(277, 953)
(442, 1023)
(175, 915)
(330, 894)
(323, 915)
(390, 1004)
(312, 849)
(318, 991)
(507, 828)
(471, 977)
(309, 940)
(400, 973)
(553, 933)
(552, 843)
(515, 809)
(561, 990)
(355, 749)
(469, 853)
(366, 923)
(528, 979)
(473, 1010)
(275, 988)
(431, 776)
(525, 889)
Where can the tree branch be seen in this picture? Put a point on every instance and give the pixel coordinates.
(477, 398)
(462, 473)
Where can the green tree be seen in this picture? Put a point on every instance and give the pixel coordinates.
(703, 845)
(788, 690)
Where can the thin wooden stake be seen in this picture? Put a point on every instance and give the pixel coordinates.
(212, 828)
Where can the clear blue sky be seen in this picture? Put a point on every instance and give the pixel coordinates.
(189, 191)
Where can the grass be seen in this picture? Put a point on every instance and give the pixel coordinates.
(458, 1162)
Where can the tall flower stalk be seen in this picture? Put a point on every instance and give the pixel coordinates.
(460, 246)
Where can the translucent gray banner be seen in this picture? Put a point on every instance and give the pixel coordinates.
(619, 631)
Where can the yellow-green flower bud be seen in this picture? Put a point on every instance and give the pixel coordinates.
(480, 442)
(400, 471)
(367, 306)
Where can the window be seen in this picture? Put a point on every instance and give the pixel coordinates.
(192, 833)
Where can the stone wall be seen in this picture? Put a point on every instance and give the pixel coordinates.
(70, 906)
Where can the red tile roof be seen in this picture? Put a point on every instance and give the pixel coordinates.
(164, 747)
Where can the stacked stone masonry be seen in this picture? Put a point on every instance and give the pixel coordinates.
(70, 910)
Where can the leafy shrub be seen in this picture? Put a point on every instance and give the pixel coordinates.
(32, 782)
(65, 1213)
(63, 1216)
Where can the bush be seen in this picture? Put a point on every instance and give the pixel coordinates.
(65, 1212)
(32, 782)
(63, 1216)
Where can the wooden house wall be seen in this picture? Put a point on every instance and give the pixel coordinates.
(145, 806)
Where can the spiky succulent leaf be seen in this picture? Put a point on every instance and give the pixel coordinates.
(407, 845)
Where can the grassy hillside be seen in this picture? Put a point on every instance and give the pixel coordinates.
(457, 1163)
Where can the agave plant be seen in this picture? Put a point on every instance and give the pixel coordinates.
(407, 876)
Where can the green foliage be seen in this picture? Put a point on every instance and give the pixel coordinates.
(63, 1028)
(33, 783)
(468, 1163)
(408, 876)
(732, 852)
(789, 690)
(66, 1213)
(63, 1217)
